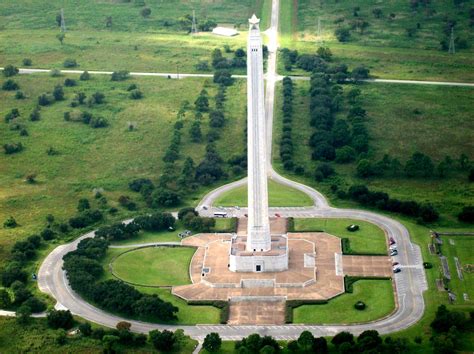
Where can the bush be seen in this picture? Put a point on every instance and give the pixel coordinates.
(145, 12)
(223, 77)
(467, 214)
(55, 73)
(359, 305)
(85, 76)
(342, 34)
(120, 75)
(27, 62)
(10, 223)
(10, 85)
(70, 63)
(19, 95)
(45, 99)
(70, 82)
(10, 70)
(60, 319)
(12, 148)
(136, 94)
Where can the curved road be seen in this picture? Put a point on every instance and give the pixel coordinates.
(410, 283)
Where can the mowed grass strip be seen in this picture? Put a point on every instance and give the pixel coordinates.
(278, 196)
(376, 294)
(368, 239)
(155, 266)
(462, 249)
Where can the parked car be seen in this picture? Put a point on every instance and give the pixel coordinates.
(393, 252)
(392, 241)
(395, 263)
(393, 247)
(204, 207)
(397, 270)
(277, 215)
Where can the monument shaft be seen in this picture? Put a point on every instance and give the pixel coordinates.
(259, 238)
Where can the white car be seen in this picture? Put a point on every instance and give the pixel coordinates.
(393, 253)
(393, 247)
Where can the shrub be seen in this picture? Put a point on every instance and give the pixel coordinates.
(98, 122)
(359, 305)
(47, 234)
(10, 85)
(136, 94)
(10, 70)
(60, 319)
(223, 77)
(70, 82)
(85, 76)
(145, 12)
(70, 63)
(467, 214)
(12, 148)
(45, 99)
(55, 73)
(342, 34)
(19, 95)
(120, 75)
(10, 223)
(27, 62)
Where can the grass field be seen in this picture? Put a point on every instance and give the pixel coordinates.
(278, 196)
(187, 314)
(88, 158)
(376, 294)
(132, 43)
(384, 47)
(152, 265)
(443, 128)
(368, 239)
(462, 249)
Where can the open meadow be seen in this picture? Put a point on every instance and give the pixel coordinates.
(379, 36)
(107, 158)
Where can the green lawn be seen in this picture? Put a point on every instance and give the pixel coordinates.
(278, 196)
(187, 314)
(368, 239)
(384, 47)
(107, 158)
(376, 294)
(155, 266)
(462, 249)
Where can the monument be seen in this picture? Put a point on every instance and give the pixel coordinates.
(259, 251)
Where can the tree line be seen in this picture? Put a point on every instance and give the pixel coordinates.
(83, 269)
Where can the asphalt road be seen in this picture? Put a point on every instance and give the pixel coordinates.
(410, 283)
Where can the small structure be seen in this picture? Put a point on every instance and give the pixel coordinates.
(225, 31)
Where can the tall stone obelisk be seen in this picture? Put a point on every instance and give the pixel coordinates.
(258, 237)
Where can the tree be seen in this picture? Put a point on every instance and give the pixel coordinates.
(162, 340)
(23, 314)
(419, 165)
(145, 12)
(342, 34)
(110, 342)
(377, 12)
(10, 70)
(85, 76)
(342, 337)
(61, 36)
(120, 75)
(83, 204)
(467, 214)
(345, 154)
(360, 73)
(70, 63)
(85, 329)
(305, 341)
(320, 345)
(164, 197)
(223, 77)
(202, 103)
(325, 53)
(58, 93)
(212, 342)
(10, 85)
(60, 319)
(5, 300)
(195, 131)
